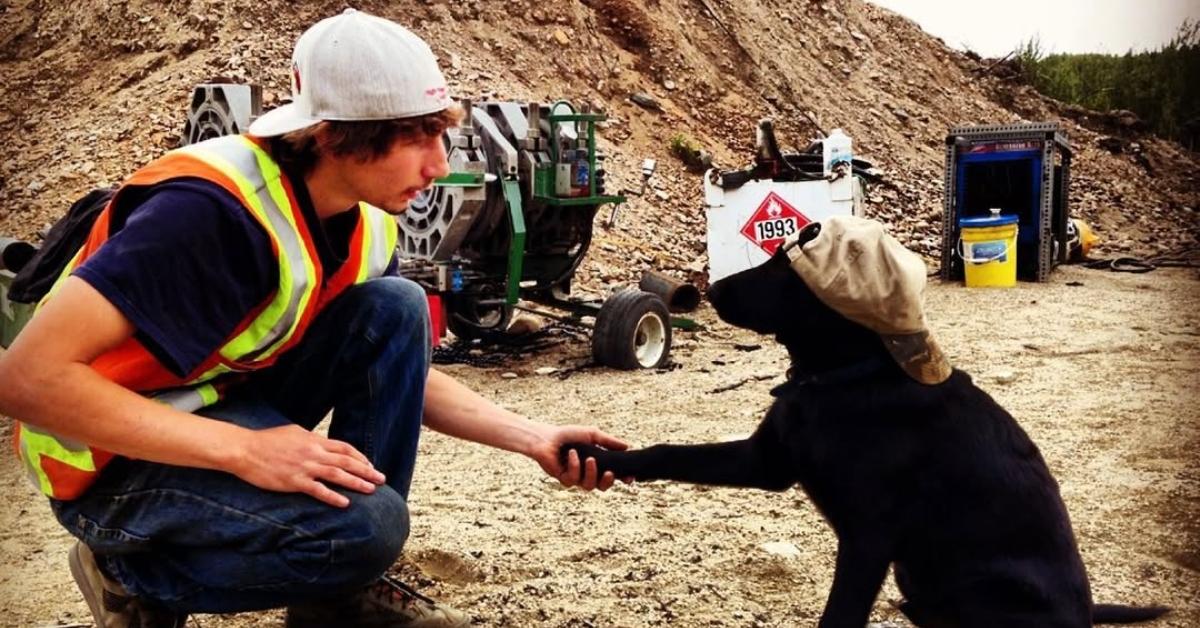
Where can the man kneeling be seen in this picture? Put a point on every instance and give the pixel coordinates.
(229, 296)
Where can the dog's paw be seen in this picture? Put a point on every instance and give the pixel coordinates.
(621, 463)
(606, 460)
(584, 450)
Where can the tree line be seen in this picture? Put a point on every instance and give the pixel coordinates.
(1161, 86)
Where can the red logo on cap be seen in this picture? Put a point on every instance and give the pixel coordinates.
(296, 76)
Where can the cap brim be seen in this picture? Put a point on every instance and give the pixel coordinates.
(281, 120)
(919, 355)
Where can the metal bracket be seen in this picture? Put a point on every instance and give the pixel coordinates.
(516, 250)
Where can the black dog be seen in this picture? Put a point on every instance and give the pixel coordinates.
(938, 480)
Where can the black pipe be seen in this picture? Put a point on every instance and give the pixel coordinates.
(15, 254)
(679, 296)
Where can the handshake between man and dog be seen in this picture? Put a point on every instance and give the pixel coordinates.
(908, 461)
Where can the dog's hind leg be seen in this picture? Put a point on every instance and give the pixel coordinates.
(862, 565)
(757, 462)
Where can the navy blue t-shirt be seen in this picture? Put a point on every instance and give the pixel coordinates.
(190, 263)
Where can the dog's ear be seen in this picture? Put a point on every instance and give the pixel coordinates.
(808, 233)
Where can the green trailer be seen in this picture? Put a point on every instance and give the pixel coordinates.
(13, 316)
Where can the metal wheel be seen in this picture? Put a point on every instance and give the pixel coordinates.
(435, 225)
(468, 319)
(633, 330)
(219, 109)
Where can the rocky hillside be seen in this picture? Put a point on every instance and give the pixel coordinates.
(92, 90)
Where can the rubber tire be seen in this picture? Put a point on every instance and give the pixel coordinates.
(470, 312)
(614, 339)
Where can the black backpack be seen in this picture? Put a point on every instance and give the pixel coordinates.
(35, 278)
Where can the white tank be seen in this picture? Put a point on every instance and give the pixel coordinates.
(837, 151)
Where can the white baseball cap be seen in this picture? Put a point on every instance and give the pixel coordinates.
(356, 66)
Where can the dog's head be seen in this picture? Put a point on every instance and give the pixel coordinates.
(772, 299)
(769, 298)
(836, 293)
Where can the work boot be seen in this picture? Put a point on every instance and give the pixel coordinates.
(384, 604)
(111, 605)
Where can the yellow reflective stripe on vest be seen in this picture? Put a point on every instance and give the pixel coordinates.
(274, 180)
(213, 373)
(35, 443)
(239, 159)
(380, 233)
(188, 399)
(66, 272)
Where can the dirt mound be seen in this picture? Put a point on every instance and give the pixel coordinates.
(96, 89)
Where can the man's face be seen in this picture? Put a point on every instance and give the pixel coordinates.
(394, 180)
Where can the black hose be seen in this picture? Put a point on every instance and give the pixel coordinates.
(1120, 265)
(1188, 258)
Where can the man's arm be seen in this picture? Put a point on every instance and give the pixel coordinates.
(453, 409)
(49, 383)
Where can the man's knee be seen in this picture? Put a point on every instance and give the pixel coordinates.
(396, 294)
(372, 533)
(397, 306)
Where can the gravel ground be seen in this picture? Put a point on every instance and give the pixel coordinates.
(1101, 369)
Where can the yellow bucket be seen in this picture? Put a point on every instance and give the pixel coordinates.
(988, 247)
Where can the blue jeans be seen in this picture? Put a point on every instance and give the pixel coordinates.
(198, 540)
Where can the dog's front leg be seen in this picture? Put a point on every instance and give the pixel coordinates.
(861, 567)
(757, 462)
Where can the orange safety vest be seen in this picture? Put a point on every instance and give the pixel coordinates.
(63, 468)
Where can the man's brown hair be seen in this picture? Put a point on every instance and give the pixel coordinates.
(366, 140)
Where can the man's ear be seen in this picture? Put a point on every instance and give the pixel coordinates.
(322, 137)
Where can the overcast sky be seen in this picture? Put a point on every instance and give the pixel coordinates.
(993, 29)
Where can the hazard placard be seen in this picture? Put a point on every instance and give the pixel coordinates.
(773, 221)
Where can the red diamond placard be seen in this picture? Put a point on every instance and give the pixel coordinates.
(772, 222)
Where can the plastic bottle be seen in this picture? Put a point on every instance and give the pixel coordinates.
(563, 182)
(837, 153)
(580, 174)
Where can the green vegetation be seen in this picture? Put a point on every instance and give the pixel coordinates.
(1162, 87)
(689, 152)
(683, 146)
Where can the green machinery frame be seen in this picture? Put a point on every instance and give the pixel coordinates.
(544, 182)
(13, 316)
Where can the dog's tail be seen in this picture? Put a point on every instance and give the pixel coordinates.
(1121, 614)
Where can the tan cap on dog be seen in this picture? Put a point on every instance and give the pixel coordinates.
(866, 275)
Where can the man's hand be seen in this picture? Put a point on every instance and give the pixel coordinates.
(572, 471)
(457, 411)
(292, 459)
